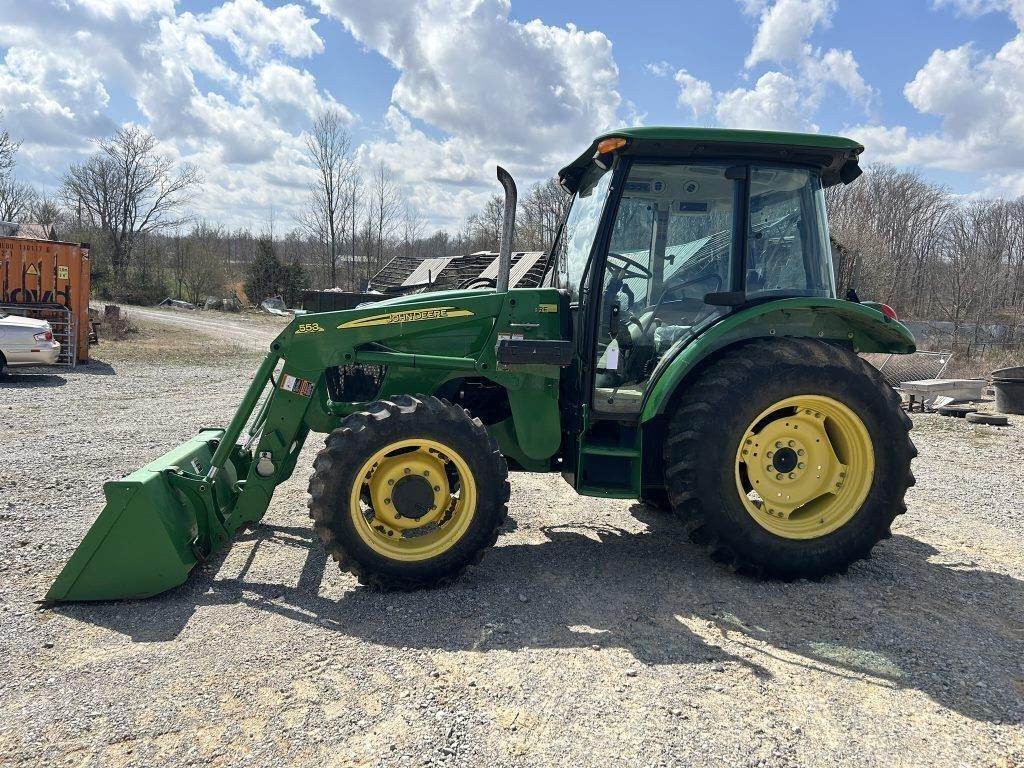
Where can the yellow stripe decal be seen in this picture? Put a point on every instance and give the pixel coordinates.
(407, 316)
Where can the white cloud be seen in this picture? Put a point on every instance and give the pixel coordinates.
(774, 103)
(243, 127)
(659, 68)
(1015, 8)
(290, 95)
(979, 99)
(785, 98)
(255, 32)
(133, 9)
(527, 95)
(784, 28)
(694, 94)
(838, 68)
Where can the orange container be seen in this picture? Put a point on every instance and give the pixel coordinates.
(45, 272)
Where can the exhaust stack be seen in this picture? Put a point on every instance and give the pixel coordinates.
(508, 224)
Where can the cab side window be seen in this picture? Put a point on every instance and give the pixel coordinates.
(787, 236)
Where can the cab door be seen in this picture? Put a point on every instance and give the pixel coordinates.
(662, 258)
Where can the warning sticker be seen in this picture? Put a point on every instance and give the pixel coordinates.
(298, 386)
(31, 270)
(63, 273)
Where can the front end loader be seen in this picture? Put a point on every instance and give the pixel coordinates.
(685, 347)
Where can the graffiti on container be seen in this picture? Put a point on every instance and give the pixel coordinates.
(26, 295)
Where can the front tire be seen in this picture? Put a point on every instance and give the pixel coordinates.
(408, 493)
(788, 459)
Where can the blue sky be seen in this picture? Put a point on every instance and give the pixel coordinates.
(439, 91)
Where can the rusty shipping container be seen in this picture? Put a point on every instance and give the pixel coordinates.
(44, 277)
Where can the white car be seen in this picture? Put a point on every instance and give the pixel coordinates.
(26, 341)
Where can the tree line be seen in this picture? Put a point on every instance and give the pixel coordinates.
(932, 255)
(129, 201)
(898, 238)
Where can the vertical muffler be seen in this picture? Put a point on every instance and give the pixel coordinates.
(507, 226)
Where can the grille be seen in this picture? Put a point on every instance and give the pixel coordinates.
(355, 383)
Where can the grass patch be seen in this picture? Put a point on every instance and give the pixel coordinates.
(155, 342)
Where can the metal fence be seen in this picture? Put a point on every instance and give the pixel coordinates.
(896, 369)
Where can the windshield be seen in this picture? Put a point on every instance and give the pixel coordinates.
(573, 248)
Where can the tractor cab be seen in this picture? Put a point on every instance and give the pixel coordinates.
(670, 231)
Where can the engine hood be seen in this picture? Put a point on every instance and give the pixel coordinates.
(433, 297)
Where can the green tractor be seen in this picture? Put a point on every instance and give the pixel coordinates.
(686, 348)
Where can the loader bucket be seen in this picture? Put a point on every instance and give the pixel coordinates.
(145, 540)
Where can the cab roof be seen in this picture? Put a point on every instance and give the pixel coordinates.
(827, 154)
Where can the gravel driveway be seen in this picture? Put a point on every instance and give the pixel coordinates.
(593, 634)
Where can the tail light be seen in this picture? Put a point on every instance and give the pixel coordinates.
(888, 311)
(44, 336)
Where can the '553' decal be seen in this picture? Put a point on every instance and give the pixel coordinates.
(309, 328)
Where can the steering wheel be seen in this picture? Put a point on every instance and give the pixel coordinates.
(478, 282)
(692, 281)
(643, 271)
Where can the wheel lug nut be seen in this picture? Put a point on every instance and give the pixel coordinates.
(387, 501)
(778, 444)
(437, 487)
(407, 470)
(800, 452)
(426, 473)
(792, 475)
(770, 454)
(778, 477)
(791, 444)
(801, 465)
(391, 482)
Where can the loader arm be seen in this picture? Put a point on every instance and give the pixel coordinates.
(183, 507)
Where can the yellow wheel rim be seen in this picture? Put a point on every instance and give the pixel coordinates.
(413, 500)
(804, 466)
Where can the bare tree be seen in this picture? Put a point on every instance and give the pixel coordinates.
(202, 262)
(47, 212)
(483, 228)
(353, 192)
(413, 226)
(8, 150)
(129, 189)
(387, 210)
(541, 212)
(330, 150)
(16, 199)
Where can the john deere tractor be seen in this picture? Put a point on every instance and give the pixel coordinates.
(685, 347)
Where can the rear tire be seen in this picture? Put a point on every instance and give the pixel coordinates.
(408, 493)
(3, 366)
(735, 411)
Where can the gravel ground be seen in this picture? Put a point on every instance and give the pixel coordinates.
(593, 634)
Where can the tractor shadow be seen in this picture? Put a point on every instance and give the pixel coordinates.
(898, 621)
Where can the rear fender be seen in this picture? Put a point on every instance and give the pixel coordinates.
(864, 328)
